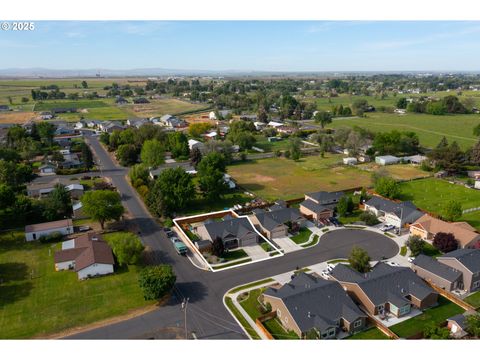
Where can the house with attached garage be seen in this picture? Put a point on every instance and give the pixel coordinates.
(466, 261)
(393, 213)
(437, 273)
(320, 205)
(234, 232)
(47, 169)
(39, 190)
(36, 231)
(309, 304)
(426, 227)
(88, 255)
(277, 221)
(386, 289)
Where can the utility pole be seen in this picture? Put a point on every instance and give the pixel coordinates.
(184, 308)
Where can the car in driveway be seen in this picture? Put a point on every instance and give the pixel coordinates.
(169, 232)
(180, 247)
(325, 274)
(392, 263)
(386, 227)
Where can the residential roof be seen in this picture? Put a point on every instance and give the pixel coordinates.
(316, 303)
(470, 258)
(435, 267)
(462, 231)
(313, 206)
(49, 225)
(88, 249)
(237, 227)
(278, 215)
(50, 184)
(385, 283)
(405, 210)
(77, 206)
(72, 187)
(325, 197)
(387, 158)
(461, 319)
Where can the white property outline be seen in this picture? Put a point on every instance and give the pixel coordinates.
(268, 257)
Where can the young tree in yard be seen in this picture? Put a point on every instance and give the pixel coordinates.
(195, 130)
(359, 260)
(178, 144)
(218, 248)
(195, 157)
(435, 332)
(156, 281)
(102, 205)
(473, 324)
(127, 154)
(387, 187)
(210, 176)
(345, 206)
(445, 242)
(369, 218)
(323, 118)
(452, 211)
(172, 191)
(415, 244)
(152, 153)
(138, 175)
(294, 148)
(58, 203)
(87, 156)
(127, 248)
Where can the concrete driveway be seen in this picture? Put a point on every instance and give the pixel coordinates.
(286, 244)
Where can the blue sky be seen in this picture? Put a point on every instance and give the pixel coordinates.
(246, 45)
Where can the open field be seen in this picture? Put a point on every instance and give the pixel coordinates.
(14, 117)
(437, 315)
(398, 171)
(35, 300)
(280, 178)
(429, 128)
(433, 194)
(162, 106)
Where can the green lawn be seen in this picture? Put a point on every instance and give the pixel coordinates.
(241, 319)
(302, 236)
(313, 243)
(438, 314)
(251, 304)
(35, 300)
(370, 334)
(474, 299)
(433, 194)
(430, 250)
(429, 128)
(351, 218)
(201, 205)
(278, 332)
(234, 255)
(473, 218)
(280, 178)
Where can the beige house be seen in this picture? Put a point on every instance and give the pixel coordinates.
(234, 232)
(427, 226)
(320, 205)
(275, 223)
(467, 261)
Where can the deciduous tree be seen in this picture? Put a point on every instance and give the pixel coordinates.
(102, 205)
(156, 281)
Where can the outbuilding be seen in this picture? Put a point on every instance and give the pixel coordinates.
(387, 160)
(35, 231)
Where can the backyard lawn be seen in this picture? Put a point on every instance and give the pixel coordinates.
(278, 332)
(35, 300)
(280, 178)
(370, 334)
(433, 194)
(474, 299)
(201, 205)
(302, 236)
(438, 315)
(398, 171)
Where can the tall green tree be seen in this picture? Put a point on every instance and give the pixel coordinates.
(127, 154)
(178, 144)
(156, 281)
(127, 247)
(152, 153)
(359, 260)
(323, 118)
(452, 210)
(210, 175)
(294, 146)
(87, 156)
(387, 187)
(473, 324)
(102, 205)
(58, 203)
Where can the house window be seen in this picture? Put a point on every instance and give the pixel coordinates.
(405, 309)
(286, 320)
(331, 332)
(476, 284)
(279, 313)
(357, 323)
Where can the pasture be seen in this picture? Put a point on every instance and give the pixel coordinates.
(159, 107)
(397, 171)
(280, 178)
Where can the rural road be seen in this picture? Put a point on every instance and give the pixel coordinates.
(207, 316)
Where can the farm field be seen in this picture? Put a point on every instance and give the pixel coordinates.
(280, 178)
(48, 105)
(15, 117)
(35, 300)
(398, 171)
(432, 194)
(429, 128)
(162, 106)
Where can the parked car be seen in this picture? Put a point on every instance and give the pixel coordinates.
(392, 263)
(169, 232)
(180, 247)
(386, 227)
(334, 221)
(84, 228)
(411, 258)
(325, 274)
(330, 267)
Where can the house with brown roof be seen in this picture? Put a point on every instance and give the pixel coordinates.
(427, 226)
(36, 231)
(88, 255)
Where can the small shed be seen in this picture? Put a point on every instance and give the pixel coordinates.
(387, 160)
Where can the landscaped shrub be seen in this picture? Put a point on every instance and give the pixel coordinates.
(156, 281)
(369, 218)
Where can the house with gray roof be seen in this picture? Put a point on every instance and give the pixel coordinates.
(458, 325)
(393, 213)
(277, 221)
(320, 205)
(308, 304)
(234, 232)
(466, 261)
(386, 289)
(439, 274)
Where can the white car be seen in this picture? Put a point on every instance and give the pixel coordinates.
(330, 267)
(324, 274)
(387, 227)
(411, 258)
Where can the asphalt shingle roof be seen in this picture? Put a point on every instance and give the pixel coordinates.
(406, 209)
(236, 227)
(313, 206)
(325, 197)
(278, 216)
(432, 265)
(470, 258)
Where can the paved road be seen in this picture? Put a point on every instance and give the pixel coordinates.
(207, 316)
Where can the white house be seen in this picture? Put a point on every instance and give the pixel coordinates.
(88, 255)
(195, 144)
(275, 124)
(35, 231)
(387, 160)
(350, 161)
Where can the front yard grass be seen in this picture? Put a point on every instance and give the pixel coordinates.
(437, 314)
(302, 236)
(277, 331)
(370, 334)
(251, 304)
(35, 300)
(430, 250)
(313, 243)
(253, 334)
(351, 218)
(234, 255)
(474, 299)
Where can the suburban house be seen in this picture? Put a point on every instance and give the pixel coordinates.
(234, 232)
(88, 255)
(120, 100)
(38, 190)
(386, 289)
(47, 169)
(320, 205)
(437, 273)
(468, 262)
(277, 221)
(35, 231)
(387, 160)
(308, 303)
(70, 161)
(185, 165)
(137, 122)
(141, 100)
(427, 226)
(195, 144)
(393, 213)
(110, 126)
(172, 121)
